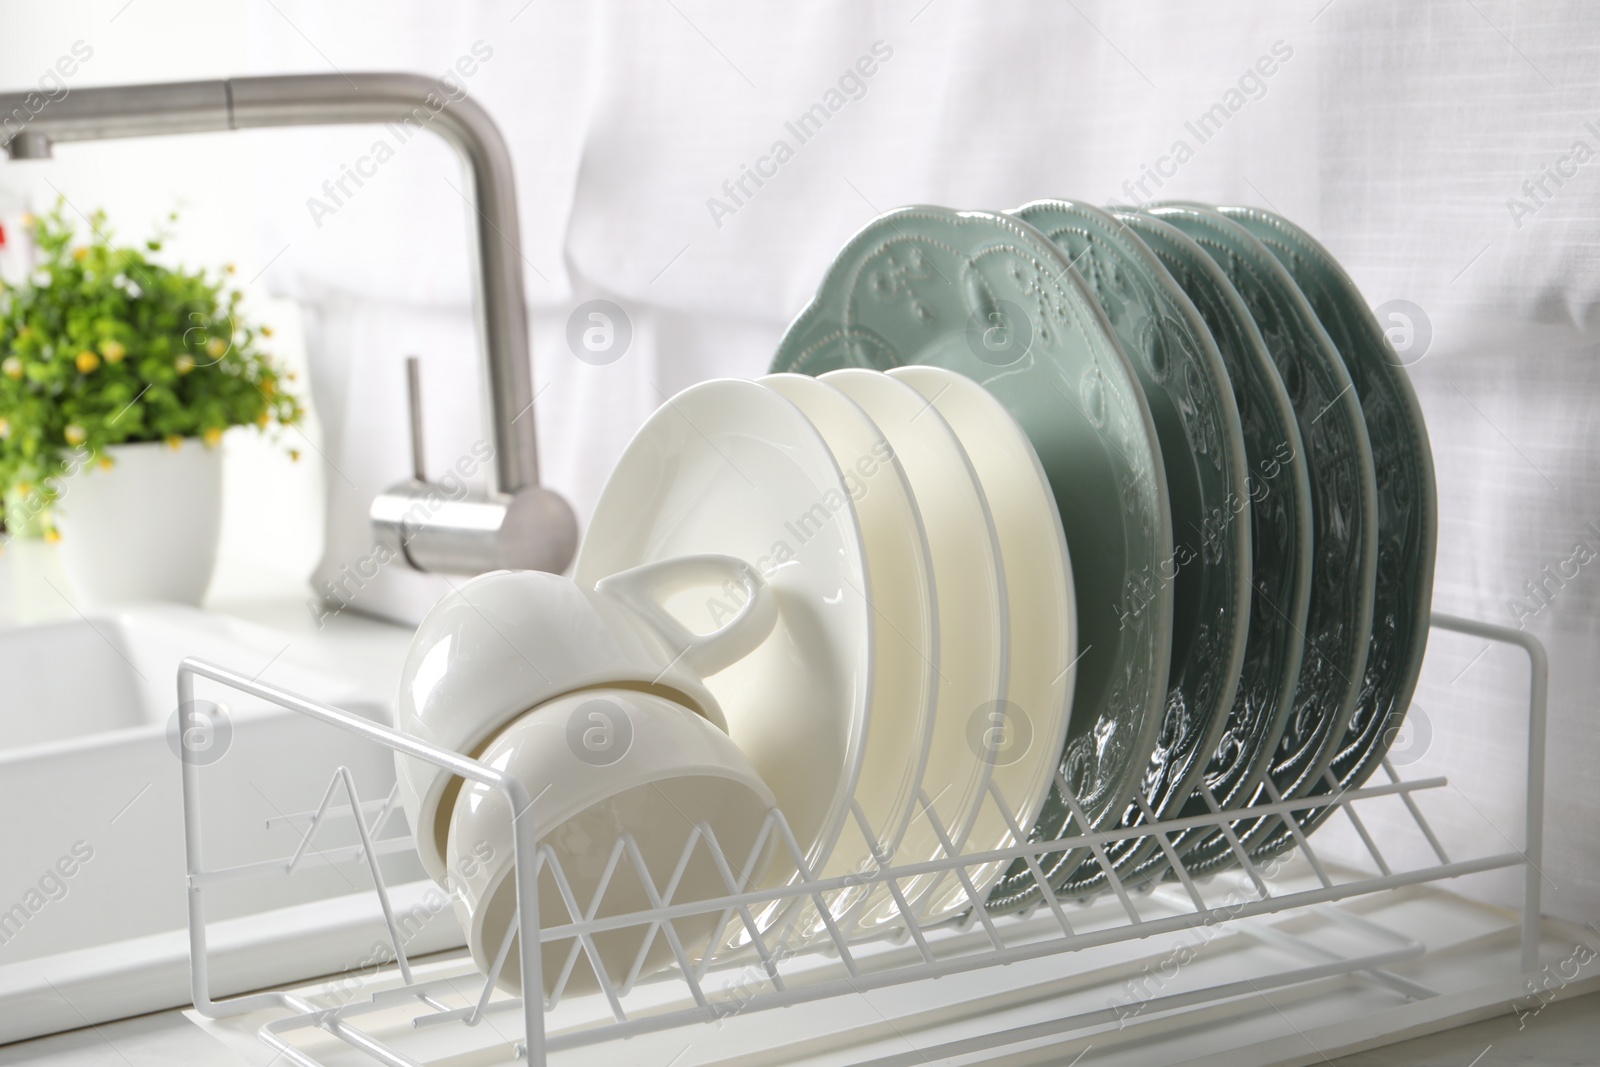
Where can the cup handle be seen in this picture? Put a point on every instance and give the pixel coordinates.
(642, 589)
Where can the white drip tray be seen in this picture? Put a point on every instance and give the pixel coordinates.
(1023, 1013)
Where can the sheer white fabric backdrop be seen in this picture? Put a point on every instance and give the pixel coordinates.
(1396, 133)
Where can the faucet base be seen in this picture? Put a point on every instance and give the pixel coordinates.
(531, 529)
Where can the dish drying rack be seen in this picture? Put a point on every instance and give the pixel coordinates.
(767, 974)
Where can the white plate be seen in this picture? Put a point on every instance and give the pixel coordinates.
(904, 664)
(973, 630)
(729, 466)
(1029, 728)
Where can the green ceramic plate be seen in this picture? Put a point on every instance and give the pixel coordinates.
(1202, 446)
(990, 297)
(1407, 505)
(1279, 492)
(1344, 513)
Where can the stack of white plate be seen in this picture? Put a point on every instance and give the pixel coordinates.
(914, 697)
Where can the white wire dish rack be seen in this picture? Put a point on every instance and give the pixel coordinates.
(431, 1000)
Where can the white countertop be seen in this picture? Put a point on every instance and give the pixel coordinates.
(34, 591)
(1564, 1034)
(164, 1038)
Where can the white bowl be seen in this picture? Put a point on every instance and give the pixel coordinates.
(599, 764)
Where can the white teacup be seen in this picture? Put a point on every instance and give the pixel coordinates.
(510, 641)
(598, 764)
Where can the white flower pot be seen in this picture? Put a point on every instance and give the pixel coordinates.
(147, 528)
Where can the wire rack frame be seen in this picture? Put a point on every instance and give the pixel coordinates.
(771, 945)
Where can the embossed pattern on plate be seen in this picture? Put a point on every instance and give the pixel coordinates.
(1279, 490)
(992, 298)
(1407, 502)
(1202, 447)
(1344, 512)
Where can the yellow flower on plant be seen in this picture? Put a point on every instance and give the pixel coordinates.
(80, 254)
(24, 488)
(113, 351)
(52, 536)
(106, 463)
(75, 434)
(230, 268)
(184, 363)
(217, 347)
(213, 436)
(12, 367)
(261, 421)
(268, 387)
(174, 442)
(294, 454)
(266, 331)
(87, 362)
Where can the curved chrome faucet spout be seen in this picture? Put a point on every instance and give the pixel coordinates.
(517, 524)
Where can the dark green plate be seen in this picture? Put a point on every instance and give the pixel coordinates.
(1407, 504)
(1279, 491)
(1202, 446)
(992, 298)
(1344, 509)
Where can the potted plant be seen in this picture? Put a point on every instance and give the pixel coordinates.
(118, 377)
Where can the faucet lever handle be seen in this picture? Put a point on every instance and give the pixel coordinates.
(414, 403)
(449, 531)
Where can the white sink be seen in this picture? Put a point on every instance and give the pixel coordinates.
(92, 904)
(68, 680)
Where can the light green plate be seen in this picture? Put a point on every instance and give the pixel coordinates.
(1202, 446)
(990, 297)
(1279, 490)
(1407, 504)
(1344, 514)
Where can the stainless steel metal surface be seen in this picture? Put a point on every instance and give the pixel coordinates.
(532, 529)
(419, 464)
(516, 524)
(29, 145)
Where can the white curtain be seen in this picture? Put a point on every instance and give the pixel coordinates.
(1445, 152)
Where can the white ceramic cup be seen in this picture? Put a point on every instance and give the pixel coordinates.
(509, 641)
(599, 764)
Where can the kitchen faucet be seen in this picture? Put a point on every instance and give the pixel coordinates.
(516, 524)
